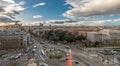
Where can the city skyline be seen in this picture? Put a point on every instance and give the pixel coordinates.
(61, 12)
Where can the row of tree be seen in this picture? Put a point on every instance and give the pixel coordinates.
(63, 36)
(66, 38)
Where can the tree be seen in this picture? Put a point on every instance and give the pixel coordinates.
(79, 38)
(96, 43)
(70, 38)
(31, 62)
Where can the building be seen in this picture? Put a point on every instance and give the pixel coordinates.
(94, 36)
(104, 36)
(10, 39)
(114, 37)
(114, 34)
(99, 36)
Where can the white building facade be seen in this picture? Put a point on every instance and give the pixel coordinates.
(104, 35)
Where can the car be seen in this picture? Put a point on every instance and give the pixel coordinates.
(31, 42)
(104, 52)
(11, 58)
(67, 47)
(118, 51)
(115, 52)
(18, 55)
(62, 59)
(14, 57)
(42, 51)
(76, 62)
(33, 50)
(44, 46)
(43, 64)
(34, 46)
(41, 42)
(88, 65)
(26, 50)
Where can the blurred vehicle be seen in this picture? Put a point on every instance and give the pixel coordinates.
(88, 64)
(58, 44)
(62, 59)
(18, 55)
(105, 52)
(15, 57)
(31, 42)
(44, 46)
(11, 58)
(76, 62)
(34, 46)
(42, 51)
(115, 51)
(41, 42)
(67, 47)
(43, 64)
(27, 50)
(33, 50)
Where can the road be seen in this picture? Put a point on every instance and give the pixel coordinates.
(39, 57)
(77, 55)
(83, 58)
(56, 62)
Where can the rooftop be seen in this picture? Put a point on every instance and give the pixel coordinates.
(11, 33)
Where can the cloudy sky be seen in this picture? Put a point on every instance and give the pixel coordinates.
(61, 12)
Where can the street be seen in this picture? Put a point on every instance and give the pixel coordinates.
(36, 51)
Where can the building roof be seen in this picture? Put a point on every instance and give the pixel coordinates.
(94, 32)
(11, 33)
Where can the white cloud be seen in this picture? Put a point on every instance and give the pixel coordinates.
(39, 4)
(74, 23)
(22, 2)
(88, 8)
(10, 1)
(85, 23)
(94, 23)
(8, 9)
(55, 21)
(82, 23)
(67, 22)
(37, 16)
(59, 21)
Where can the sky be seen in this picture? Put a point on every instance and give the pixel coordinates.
(61, 12)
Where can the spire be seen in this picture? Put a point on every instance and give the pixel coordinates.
(69, 59)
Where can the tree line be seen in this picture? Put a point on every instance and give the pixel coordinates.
(66, 37)
(63, 36)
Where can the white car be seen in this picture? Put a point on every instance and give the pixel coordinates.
(35, 46)
(33, 50)
(42, 51)
(43, 64)
(17, 56)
